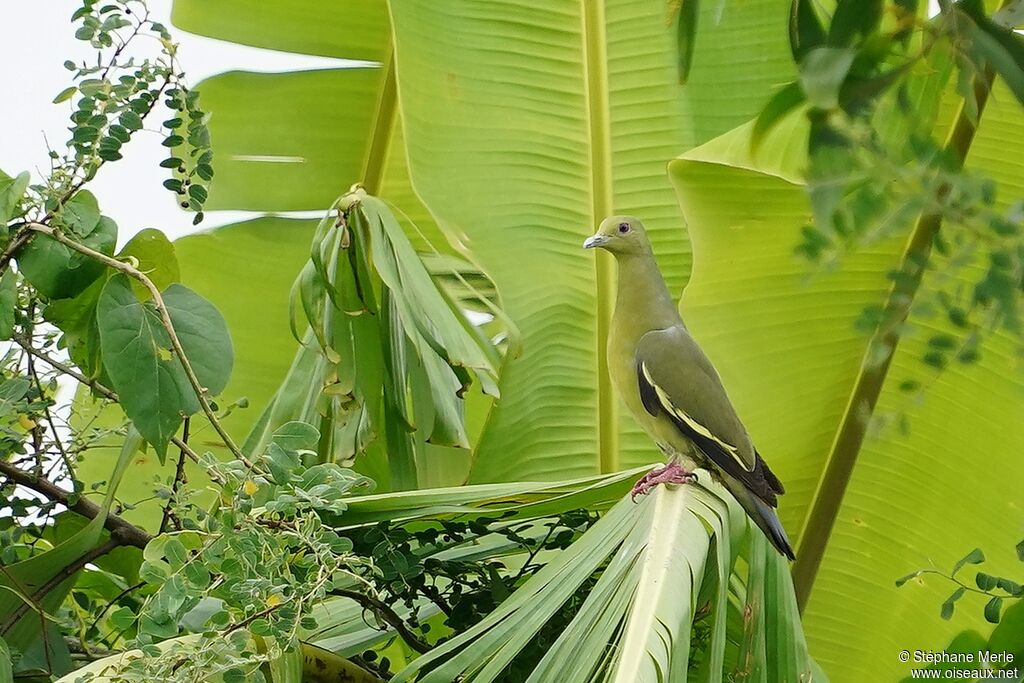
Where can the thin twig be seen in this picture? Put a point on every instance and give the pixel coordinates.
(114, 601)
(387, 614)
(165, 319)
(253, 617)
(179, 478)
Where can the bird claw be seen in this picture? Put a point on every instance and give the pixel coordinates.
(672, 473)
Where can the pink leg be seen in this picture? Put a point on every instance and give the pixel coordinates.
(672, 473)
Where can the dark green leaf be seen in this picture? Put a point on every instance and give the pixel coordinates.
(973, 557)
(986, 582)
(1020, 551)
(992, 610)
(686, 35)
(57, 271)
(197, 193)
(130, 120)
(781, 103)
(909, 385)
(805, 29)
(854, 18)
(173, 141)
(171, 162)
(936, 359)
(1010, 586)
(137, 355)
(120, 133)
(943, 342)
(950, 604)
(903, 579)
(822, 73)
(85, 134)
(81, 214)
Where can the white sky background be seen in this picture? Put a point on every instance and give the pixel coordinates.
(35, 38)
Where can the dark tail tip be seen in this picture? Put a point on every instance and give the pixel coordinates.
(766, 519)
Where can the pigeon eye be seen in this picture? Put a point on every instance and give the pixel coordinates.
(623, 227)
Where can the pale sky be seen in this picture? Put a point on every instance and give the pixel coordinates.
(35, 39)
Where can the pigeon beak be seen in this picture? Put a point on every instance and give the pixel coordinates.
(595, 241)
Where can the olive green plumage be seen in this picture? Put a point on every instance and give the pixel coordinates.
(670, 386)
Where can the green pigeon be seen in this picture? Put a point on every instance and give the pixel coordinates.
(673, 390)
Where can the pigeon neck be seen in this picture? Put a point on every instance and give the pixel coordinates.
(643, 297)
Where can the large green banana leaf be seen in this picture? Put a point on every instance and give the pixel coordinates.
(784, 341)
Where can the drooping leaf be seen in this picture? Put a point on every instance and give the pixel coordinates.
(686, 36)
(950, 604)
(635, 624)
(993, 608)
(138, 356)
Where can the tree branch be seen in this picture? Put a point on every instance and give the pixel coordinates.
(388, 615)
(126, 532)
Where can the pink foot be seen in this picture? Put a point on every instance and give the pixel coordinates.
(672, 473)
